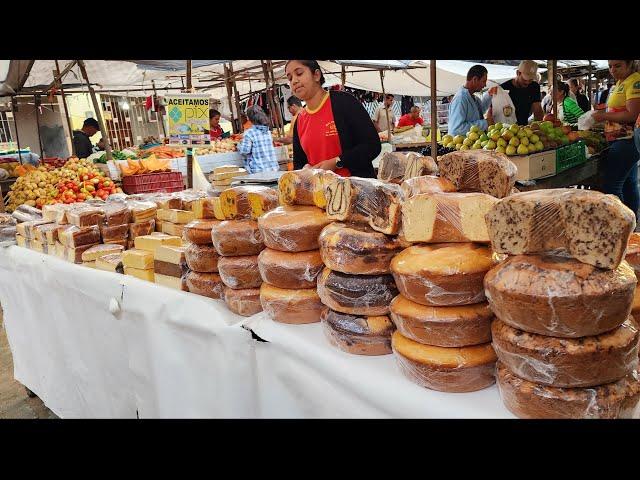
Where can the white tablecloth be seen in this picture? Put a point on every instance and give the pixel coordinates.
(98, 344)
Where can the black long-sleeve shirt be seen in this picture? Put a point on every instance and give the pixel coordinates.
(81, 144)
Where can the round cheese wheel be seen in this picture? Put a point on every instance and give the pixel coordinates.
(568, 362)
(240, 272)
(633, 252)
(529, 400)
(293, 228)
(458, 326)
(464, 369)
(444, 274)
(290, 269)
(358, 249)
(356, 334)
(206, 284)
(245, 302)
(201, 258)
(559, 296)
(291, 306)
(199, 231)
(356, 294)
(237, 237)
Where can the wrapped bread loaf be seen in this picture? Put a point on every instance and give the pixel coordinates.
(292, 228)
(97, 251)
(199, 231)
(28, 229)
(304, 187)
(245, 302)
(291, 305)
(587, 225)
(46, 233)
(558, 296)
(110, 263)
(632, 255)
(115, 233)
(202, 258)
(206, 284)
(72, 236)
(203, 209)
(479, 171)
(235, 201)
(262, 201)
(74, 254)
(395, 167)
(237, 237)
(446, 217)
(56, 213)
(291, 270)
(140, 229)
(115, 214)
(85, 217)
(240, 272)
(359, 335)
(426, 184)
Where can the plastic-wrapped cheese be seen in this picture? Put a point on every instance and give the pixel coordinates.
(240, 272)
(245, 302)
(202, 258)
(360, 335)
(290, 269)
(206, 284)
(290, 305)
(237, 237)
(293, 228)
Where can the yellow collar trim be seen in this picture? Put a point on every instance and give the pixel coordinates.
(324, 100)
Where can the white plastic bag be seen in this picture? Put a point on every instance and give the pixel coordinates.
(504, 111)
(586, 121)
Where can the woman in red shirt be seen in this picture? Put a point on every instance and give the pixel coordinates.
(215, 130)
(334, 131)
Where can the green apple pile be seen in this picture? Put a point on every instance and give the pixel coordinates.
(510, 139)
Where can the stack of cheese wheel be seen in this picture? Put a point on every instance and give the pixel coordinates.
(238, 242)
(202, 259)
(566, 343)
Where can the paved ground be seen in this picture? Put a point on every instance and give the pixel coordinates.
(14, 402)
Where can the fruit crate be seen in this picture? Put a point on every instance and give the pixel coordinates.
(568, 156)
(153, 182)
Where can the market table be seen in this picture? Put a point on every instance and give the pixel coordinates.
(583, 174)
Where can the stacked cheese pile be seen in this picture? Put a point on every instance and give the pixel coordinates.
(82, 232)
(143, 220)
(139, 261)
(566, 343)
(173, 220)
(91, 255)
(32, 234)
(221, 177)
(202, 259)
(170, 267)
(443, 320)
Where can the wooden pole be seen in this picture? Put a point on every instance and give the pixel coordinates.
(66, 109)
(189, 81)
(589, 81)
(276, 91)
(227, 81)
(343, 75)
(14, 102)
(554, 67)
(434, 111)
(272, 109)
(190, 149)
(38, 101)
(386, 110)
(159, 110)
(96, 107)
(237, 97)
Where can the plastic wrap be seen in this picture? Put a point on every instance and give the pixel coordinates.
(240, 272)
(8, 233)
(446, 217)
(262, 202)
(529, 400)
(73, 236)
(141, 229)
(237, 237)
(110, 263)
(479, 171)
(174, 229)
(203, 208)
(305, 187)
(455, 370)
(168, 202)
(560, 297)
(426, 184)
(365, 200)
(202, 258)
(395, 167)
(142, 211)
(290, 305)
(56, 212)
(356, 294)
(290, 270)
(24, 242)
(37, 246)
(235, 201)
(358, 249)
(85, 217)
(97, 251)
(115, 233)
(293, 229)
(199, 231)
(584, 224)
(206, 284)
(28, 229)
(74, 254)
(459, 326)
(6, 220)
(115, 214)
(443, 274)
(26, 213)
(632, 255)
(358, 335)
(170, 269)
(188, 197)
(564, 362)
(45, 233)
(245, 302)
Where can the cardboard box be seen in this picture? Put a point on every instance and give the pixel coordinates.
(536, 165)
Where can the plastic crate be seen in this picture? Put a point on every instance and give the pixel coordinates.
(153, 182)
(568, 156)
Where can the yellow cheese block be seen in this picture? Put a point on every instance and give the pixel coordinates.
(21, 241)
(110, 263)
(222, 183)
(180, 216)
(226, 169)
(174, 229)
(172, 282)
(136, 258)
(217, 209)
(162, 215)
(38, 246)
(203, 208)
(92, 254)
(159, 224)
(140, 273)
(216, 177)
(170, 254)
(89, 264)
(152, 242)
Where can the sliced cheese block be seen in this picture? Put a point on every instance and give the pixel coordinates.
(245, 302)
(170, 254)
(359, 335)
(293, 228)
(588, 225)
(262, 201)
(464, 369)
(142, 274)
(89, 264)
(140, 259)
(152, 242)
(163, 215)
(92, 254)
(177, 283)
(291, 306)
(235, 201)
(446, 217)
(174, 229)
(179, 216)
(110, 263)
(426, 184)
(203, 208)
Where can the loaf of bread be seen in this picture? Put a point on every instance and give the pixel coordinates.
(74, 254)
(262, 201)
(245, 302)
(635, 307)
(459, 326)
(202, 208)
(587, 225)
(235, 201)
(46, 233)
(292, 270)
(141, 228)
(304, 187)
(356, 334)
(110, 263)
(559, 296)
(446, 217)
(442, 274)
(290, 305)
(93, 253)
(418, 165)
(28, 229)
(206, 284)
(464, 369)
(142, 211)
(356, 294)
(426, 184)
(85, 217)
(168, 202)
(73, 236)
(237, 237)
(170, 269)
(358, 249)
(632, 255)
(529, 400)
(395, 167)
(115, 213)
(56, 213)
(202, 258)
(365, 200)
(293, 228)
(240, 272)
(199, 231)
(479, 171)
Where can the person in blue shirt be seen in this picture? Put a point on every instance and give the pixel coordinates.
(256, 146)
(466, 109)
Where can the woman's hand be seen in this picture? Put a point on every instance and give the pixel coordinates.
(599, 116)
(307, 166)
(327, 164)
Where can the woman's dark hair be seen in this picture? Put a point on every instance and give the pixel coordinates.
(256, 115)
(312, 65)
(213, 113)
(563, 87)
(294, 101)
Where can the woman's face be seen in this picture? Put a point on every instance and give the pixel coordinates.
(619, 69)
(303, 82)
(558, 94)
(215, 121)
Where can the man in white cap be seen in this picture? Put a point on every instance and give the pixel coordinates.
(524, 91)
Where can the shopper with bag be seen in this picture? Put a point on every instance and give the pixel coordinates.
(571, 110)
(524, 91)
(620, 174)
(466, 109)
(333, 131)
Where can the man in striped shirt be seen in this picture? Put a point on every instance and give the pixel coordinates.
(257, 144)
